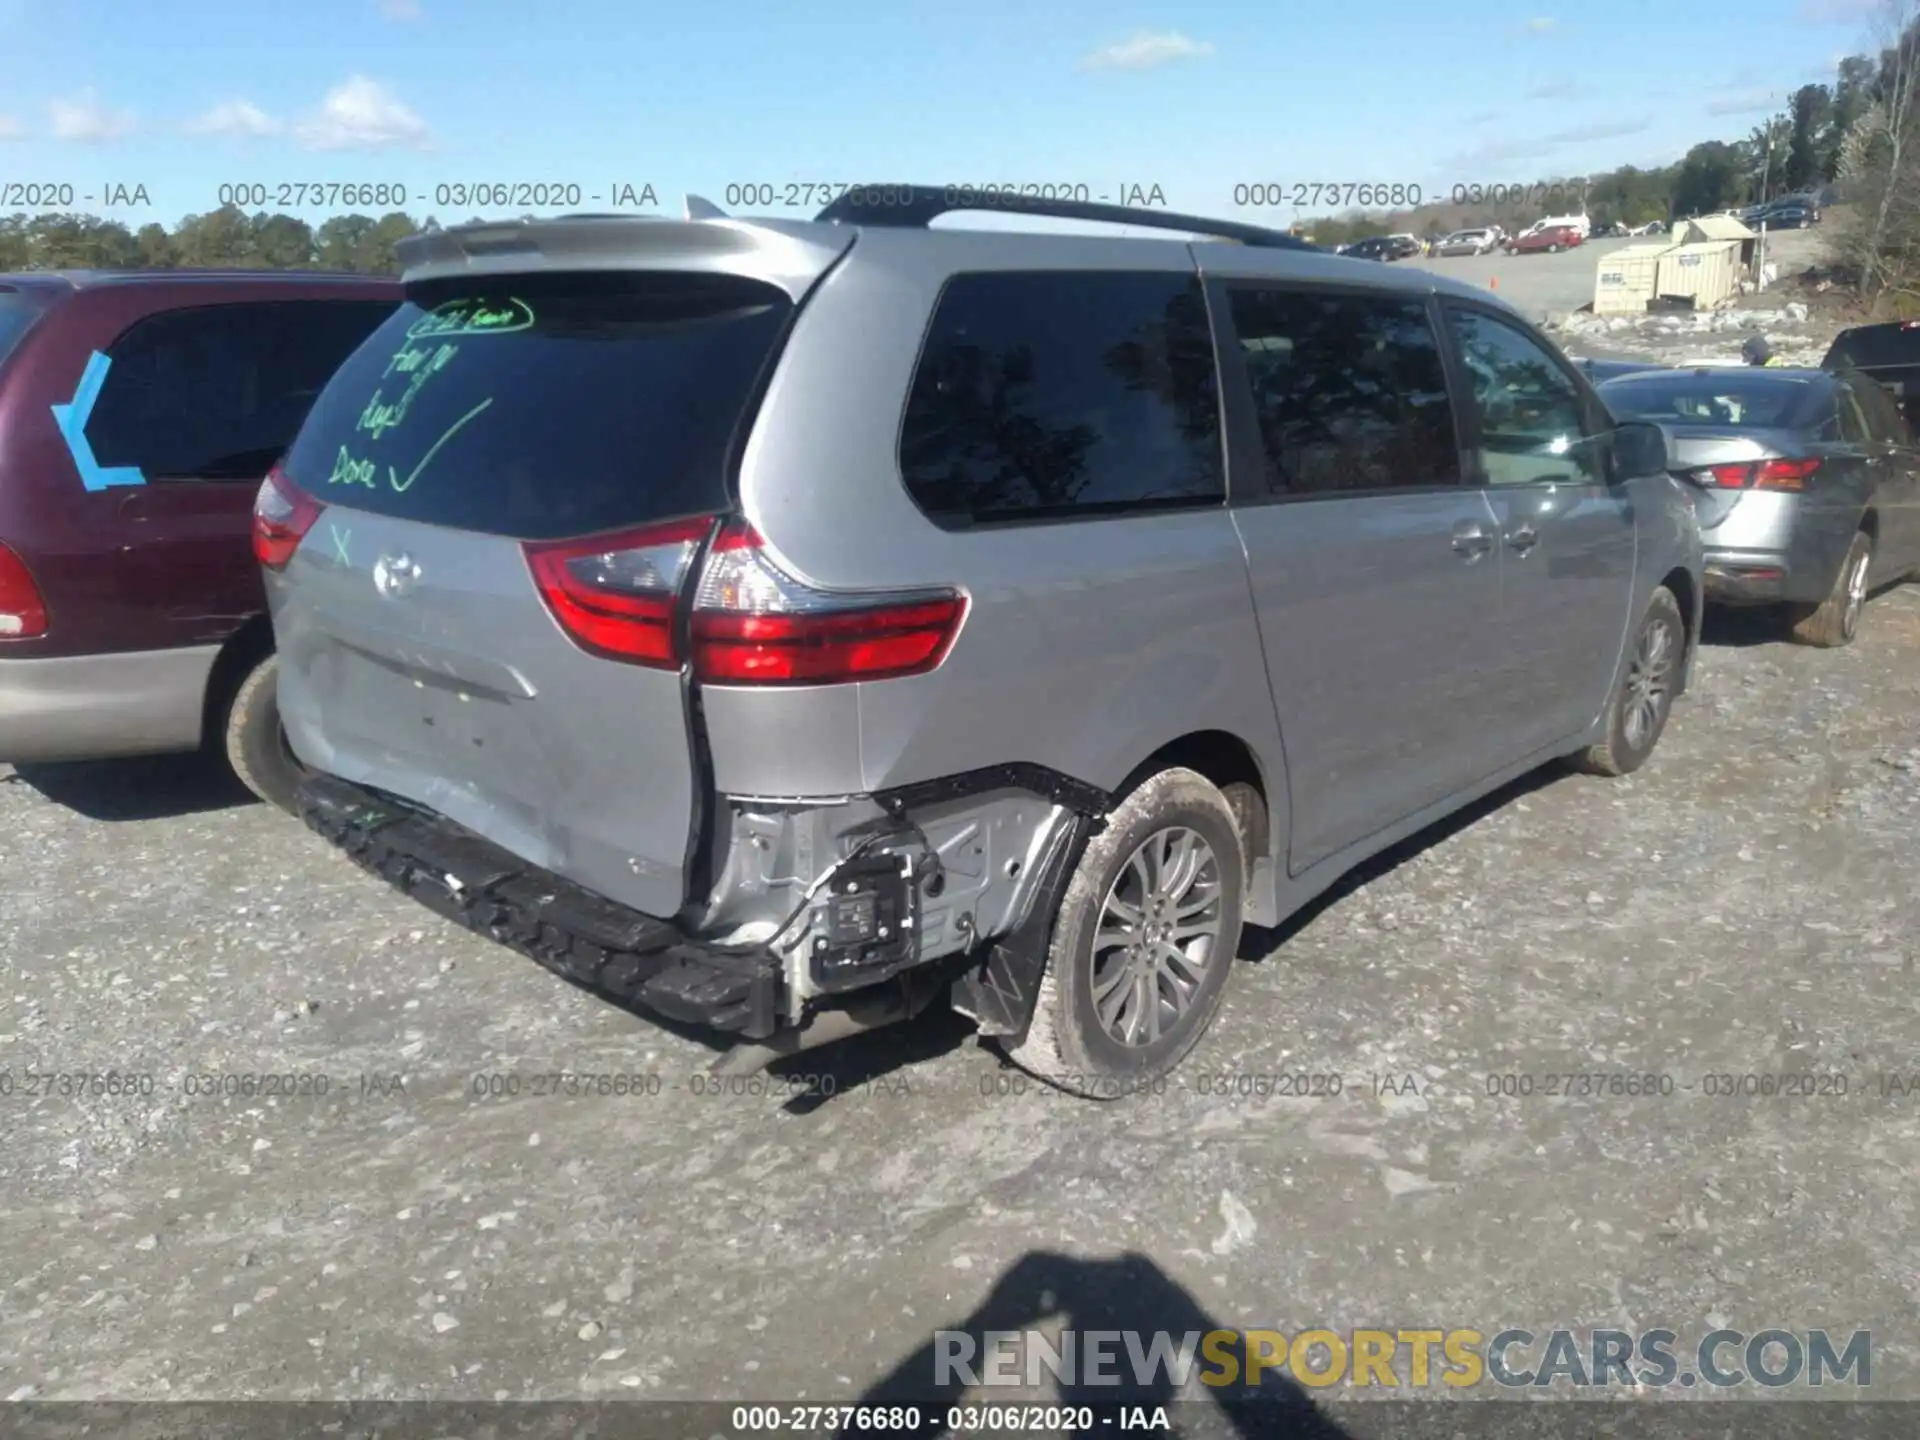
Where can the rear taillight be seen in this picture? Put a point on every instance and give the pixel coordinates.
(1757, 475)
(618, 595)
(621, 597)
(23, 613)
(283, 513)
(753, 624)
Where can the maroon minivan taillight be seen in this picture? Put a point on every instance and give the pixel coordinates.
(618, 596)
(283, 513)
(23, 612)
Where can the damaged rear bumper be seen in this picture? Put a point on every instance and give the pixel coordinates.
(617, 952)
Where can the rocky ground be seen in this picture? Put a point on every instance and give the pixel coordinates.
(431, 1227)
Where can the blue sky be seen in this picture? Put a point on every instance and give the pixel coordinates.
(1197, 97)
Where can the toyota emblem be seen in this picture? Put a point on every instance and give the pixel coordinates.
(394, 576)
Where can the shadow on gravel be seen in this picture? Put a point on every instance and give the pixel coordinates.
(1742, 626)
(1122, 1294)
(158, 787)
(1258, 943)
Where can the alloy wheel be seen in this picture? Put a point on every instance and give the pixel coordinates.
(1158, 935)
(1649, 683)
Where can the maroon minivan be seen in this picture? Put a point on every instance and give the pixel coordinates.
(139, 413)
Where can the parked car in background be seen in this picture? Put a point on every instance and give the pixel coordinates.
(1384, 247)
(1467, 242)
(1889, 355)
(1579, 223)
(1651, 227)
(138, 413)
(1789, 217)
(614, 678)
(1811, 485)
(1552, 241)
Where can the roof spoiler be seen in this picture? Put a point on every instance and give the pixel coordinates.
(789, 254)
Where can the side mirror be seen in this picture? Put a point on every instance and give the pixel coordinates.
(1639, 448)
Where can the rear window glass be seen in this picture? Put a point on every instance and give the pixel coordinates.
(1725, 400)
(547, 406)
(17, 314)
(1872, 346)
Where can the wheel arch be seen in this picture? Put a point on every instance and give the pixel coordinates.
(241, 652)
(1226, 760)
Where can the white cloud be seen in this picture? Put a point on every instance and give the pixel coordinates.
(1838, 12)
(362, 114)
(11, 128)
(400, 9)
(86, 121)
(1604, 130)
(1745, 102)
(1145, 51)
(1535, 147)
(235, 117)
(1539, 25)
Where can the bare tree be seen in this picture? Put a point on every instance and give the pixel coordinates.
(1880, 164)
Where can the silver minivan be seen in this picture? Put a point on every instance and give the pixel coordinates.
(784, 626)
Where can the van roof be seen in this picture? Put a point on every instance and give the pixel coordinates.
(92, 279)
(587, 242)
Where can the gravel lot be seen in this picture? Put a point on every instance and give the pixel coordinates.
(1744, 905)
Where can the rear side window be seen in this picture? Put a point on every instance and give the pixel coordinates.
(1349, 390)
(218, 392)
(1053, 394)
(1737, 400)
(546, 406)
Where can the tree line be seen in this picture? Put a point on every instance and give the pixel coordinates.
(1856, 139)
(227, 237)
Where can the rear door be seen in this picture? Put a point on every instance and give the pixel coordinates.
(1891, 441)
(193, 406)
(1536, 450)
(418, 656)
(1374, 571)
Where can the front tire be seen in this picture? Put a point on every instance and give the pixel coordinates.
(1836, 620)
(1643, 697)
(256, 745)
(1142, 943)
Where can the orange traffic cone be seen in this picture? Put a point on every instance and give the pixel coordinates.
(1494, 283)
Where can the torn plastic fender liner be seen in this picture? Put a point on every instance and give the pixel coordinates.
(1000, 989)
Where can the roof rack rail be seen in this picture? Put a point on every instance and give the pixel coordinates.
(917, 206)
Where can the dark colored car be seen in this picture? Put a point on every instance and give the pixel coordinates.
(1789, 217)
(1602, 370)
(139, 412)
(1888, 354)
(1551, 240)
(1810, 481)
(1384, 247)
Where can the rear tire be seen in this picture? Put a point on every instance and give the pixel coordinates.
(1115, 1012)
(1643, 695)
(1836, 620)
(256, 745)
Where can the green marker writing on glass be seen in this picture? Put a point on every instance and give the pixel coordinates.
(402, 486)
